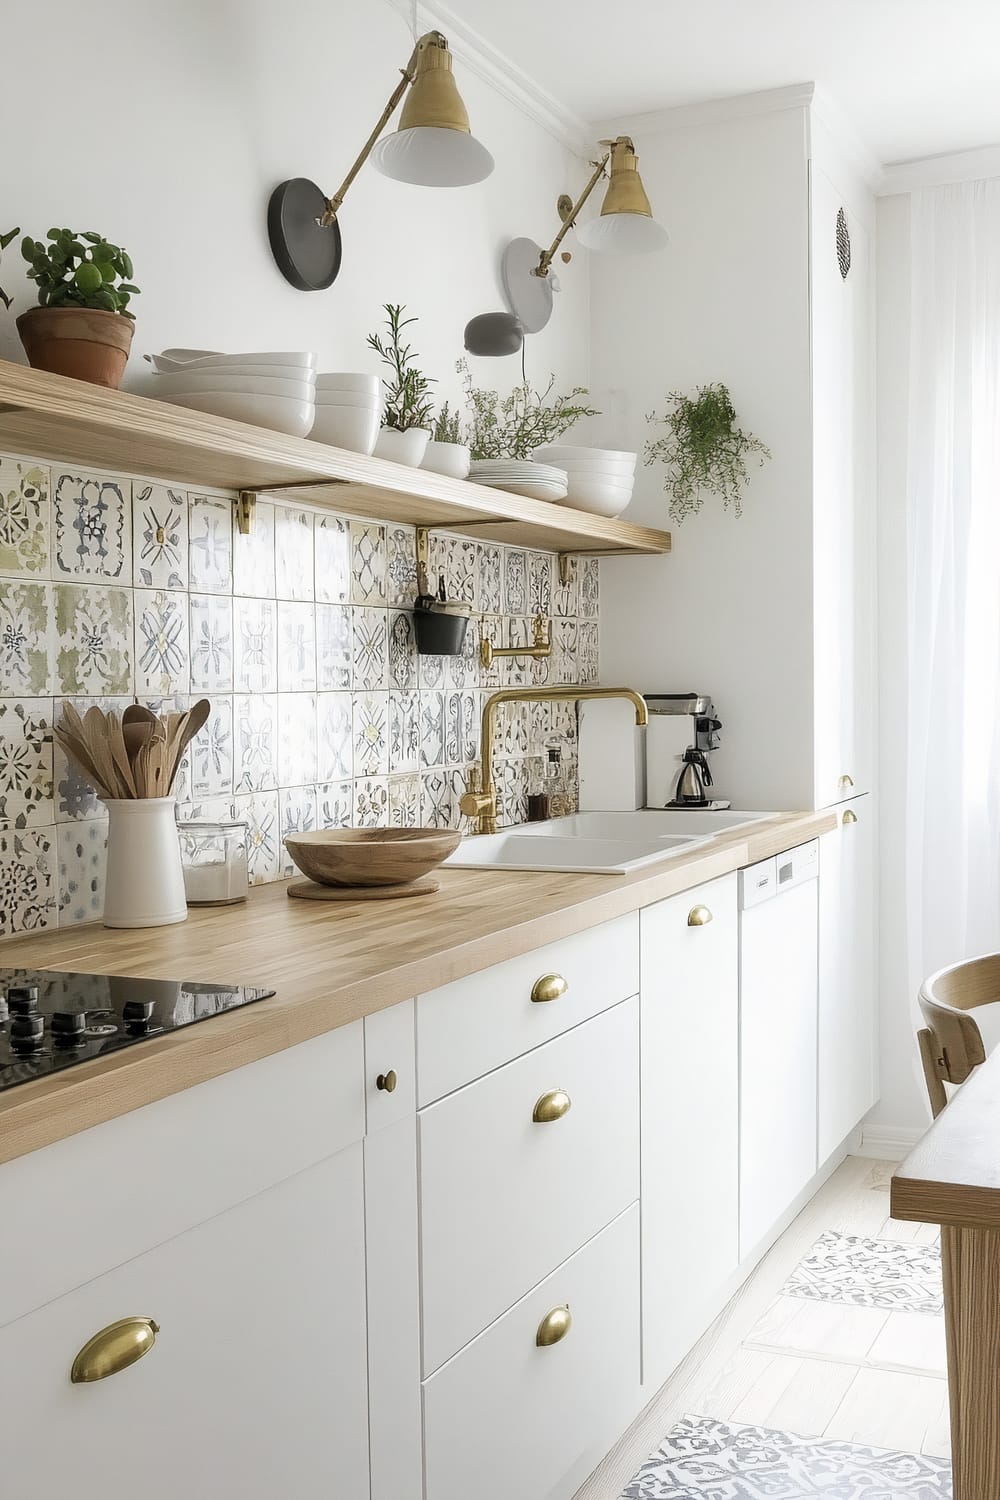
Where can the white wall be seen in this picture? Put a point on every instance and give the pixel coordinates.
(728, 301)
(166, 123)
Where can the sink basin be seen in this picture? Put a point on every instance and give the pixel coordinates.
(650, 823)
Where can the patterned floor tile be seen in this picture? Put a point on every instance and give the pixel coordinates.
(402, 651)
(93, 630)
(83, 858)
(296, 647)
(296, 739)
(25, 642)
(334, 737)
(162, 642)
(211, 635)
(27, 881)
(210, 544)
(334, 646)
(255, 645)
(160, 557)
(869, 1273)
(371, 734)
(24, 518)
(253, 556)
(401, 566)
(255, 732)
(371, 649)
(294, 567)
(371, 802)
(335, 804)
(332, 538)
(260, 813)
(211, 759)
(297, 814)
(404, 801)
(368, 563)
(92, 526)
(26, 794)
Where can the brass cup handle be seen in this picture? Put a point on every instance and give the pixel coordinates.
(553, 1327)
(114, 1348)
(549, 987)
(387, 1081)
(699, 916)
(551, 1106)
(849, 817)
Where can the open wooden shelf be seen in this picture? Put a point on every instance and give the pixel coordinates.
(48, 416)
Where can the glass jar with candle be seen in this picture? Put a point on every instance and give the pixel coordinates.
(214, 859)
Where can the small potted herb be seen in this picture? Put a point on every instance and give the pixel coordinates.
(408, 410)
(513, 426)
(703, 450)
(446, 453)
(82, 326)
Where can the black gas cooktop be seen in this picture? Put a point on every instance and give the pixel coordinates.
(51, 1020)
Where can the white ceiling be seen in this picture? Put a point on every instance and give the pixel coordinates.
(914, 77)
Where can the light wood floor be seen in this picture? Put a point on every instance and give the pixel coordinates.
(857, 1374)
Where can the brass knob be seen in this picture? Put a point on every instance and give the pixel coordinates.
(549, 987)
(845, 781)
(553, 1327)
(387, 1081)
(699, 916)
(849, 817)
(486, 653)
(113, 1349)
(551, 1106)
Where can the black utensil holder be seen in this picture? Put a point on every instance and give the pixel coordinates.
(439, 634)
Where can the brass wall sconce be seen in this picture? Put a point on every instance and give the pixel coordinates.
(538, 650)
(433, 147)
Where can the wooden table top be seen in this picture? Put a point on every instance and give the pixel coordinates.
(952, 1175)
(330, 963)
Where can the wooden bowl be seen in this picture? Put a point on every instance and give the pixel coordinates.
(370, 856)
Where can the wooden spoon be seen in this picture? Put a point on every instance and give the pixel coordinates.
(190, 724)
(78, 751)
(96, 729)
(119, 754)
(136, 722)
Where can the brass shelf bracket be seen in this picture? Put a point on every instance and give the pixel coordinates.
(245, 509)
(245, 504)
(567, 568)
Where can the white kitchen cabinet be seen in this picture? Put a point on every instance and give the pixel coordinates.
(256, 1384)
(689, 1028)
(847, 994)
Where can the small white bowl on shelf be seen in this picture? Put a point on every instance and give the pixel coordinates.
(246, 385)
(352, 427)
(451, 459)
(555, 453)
(596, 496)
(280, 413)
(332, 381)
(406, 447)
(360, 400)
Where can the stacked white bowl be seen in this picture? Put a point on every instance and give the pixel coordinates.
(598, 480)
(348, 411)
(276, 390)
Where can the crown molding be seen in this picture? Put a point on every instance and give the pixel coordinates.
(712, 111)
(507, 78)
(848, 143)
(938, 171)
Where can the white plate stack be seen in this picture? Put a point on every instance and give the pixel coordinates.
(276, 390)
(520, 477)
(348, 411)
(598, 480)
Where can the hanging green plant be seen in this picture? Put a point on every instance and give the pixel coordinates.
(703, 450)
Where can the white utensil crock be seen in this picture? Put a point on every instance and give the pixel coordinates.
(145, 882)
(406, 447)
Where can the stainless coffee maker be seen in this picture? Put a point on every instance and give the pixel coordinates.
(682, 732)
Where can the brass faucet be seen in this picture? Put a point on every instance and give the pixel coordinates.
(480, 798)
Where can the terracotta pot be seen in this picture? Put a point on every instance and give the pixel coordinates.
(85, 343)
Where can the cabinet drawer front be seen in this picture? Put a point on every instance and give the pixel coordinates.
(109, 1193)
(512, 1181)
(466, 1028)
(390, 1065)
(506, 1417)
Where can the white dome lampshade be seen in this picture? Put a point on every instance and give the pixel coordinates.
(433, 146)
(625, 225)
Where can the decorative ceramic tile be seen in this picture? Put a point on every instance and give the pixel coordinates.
(296, 814)
(701, 1459)
(539, 583)
(334, 646)
(512, 794)
(260, 813)
(294, 565)
(211, 643)
(371, 802)
(74, 797)
(27, 880)
(431, 729)
(93, 630)
(212, 810)
(402, 650)
(83, 858)
(296, 647)
(369, 562)
(404, 801)
(92, 516)
(162, 653)
(869, 1273)
(563, 719)
(439, 797)
(515, 588)
(253, 556)
(159, 536)
(334, 737)
(471, 725)
(539, 727)
(296, 739)
(515, 670)
(511, 737)
(26, 796)
(210, 549)
(211, 752)
(589, 586)
(25, 665)
(493, 628)
(371, 734)
(335, 805)
(565, 595)
(255, 735)
(588, 656)
(464, 671)
(401, 566)
(24, 518)
(431, 670)
(404, 731)
(491, 564)
(457, 557)
(371, 649)
(255, 632)
(332, 539)
(454, 739)
(564, 648)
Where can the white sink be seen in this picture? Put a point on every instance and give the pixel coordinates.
(648, 824)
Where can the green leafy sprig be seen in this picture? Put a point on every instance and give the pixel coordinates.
(703, 450)
(5, 240)
(408, 402)
(510, 427)
(448, 425)
(80, 270)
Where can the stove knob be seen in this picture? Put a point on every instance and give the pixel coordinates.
(69, 1028)
(137, 1015)
(22, 999)
(26, 1033)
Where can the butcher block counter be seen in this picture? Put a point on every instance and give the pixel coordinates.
(331, 964)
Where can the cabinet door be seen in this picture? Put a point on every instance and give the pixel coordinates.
(689, 1028)
(256, 1384)
(847, 1008)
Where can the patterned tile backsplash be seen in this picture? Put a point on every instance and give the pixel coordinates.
(323, 715)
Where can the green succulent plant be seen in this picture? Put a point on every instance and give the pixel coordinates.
(5, 240)
(703, 449)
(79, 270)
(407, 392)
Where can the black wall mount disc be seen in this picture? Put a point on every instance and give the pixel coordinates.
(306, 254)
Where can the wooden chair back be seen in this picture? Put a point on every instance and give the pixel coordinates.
(951, 1044)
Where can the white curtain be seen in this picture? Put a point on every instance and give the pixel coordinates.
(953, 521)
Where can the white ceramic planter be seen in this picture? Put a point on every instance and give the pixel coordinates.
(406, 447)
(145, 882)
(447, 458)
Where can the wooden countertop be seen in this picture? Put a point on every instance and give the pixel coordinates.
(331, 964)
(952, 1175)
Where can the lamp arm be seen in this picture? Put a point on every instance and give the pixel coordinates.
(333, 204)
(547, 256)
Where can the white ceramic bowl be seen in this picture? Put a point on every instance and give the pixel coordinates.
(554, 453)
(360, 399)
(327, 381)
(242, 385)
(447, 458)
(599, 496)
(598, 468)
(190, 359)
(406, 447)
(227, 372)
(348, 427)
(276, 412)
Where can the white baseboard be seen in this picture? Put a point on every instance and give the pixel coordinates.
(888, 1142)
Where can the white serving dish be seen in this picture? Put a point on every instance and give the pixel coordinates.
(347, 427)
(275, 412)
(245, 385)
(554, 453)
(451, 459)
(331, 381)
(533, 489)
(192, 359)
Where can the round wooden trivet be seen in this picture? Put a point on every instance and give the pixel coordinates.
(309, 890)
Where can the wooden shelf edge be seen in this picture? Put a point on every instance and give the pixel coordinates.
(49, 416)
